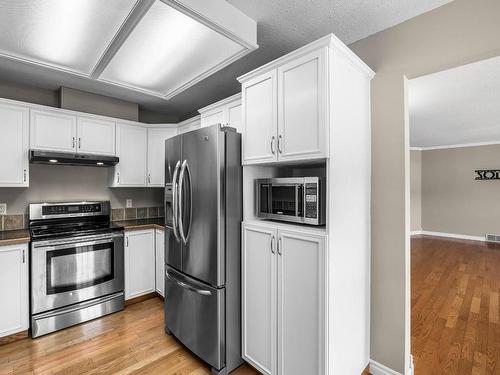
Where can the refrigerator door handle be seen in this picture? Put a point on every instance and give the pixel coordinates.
(184, 168)
(174, 201)
(188, 287)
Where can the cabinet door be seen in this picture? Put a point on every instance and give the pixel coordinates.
(95, 136)
(139, 263)
(14, 145)
(13, 289)
(301, 303)
(259, 98)
(234, 116)
(302, 108)
(131, 148)
(214, 117)
(51, 130)
(160, 263)
(156, 154)
(259, 297)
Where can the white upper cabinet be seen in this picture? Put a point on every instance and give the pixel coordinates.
(14, 145)
(259, 98)
(189, 125)
(213, 117)
(226, 112)
(131, 149)
(52, 131)
(95, 136)
(302, 103)
(156, 153)
(14, 289)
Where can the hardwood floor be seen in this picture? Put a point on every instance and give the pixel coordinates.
(129, 342)
(455, 307)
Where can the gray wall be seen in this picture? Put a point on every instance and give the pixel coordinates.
(452, 200)
(416, 190)
(460, 32)
(70, 183)
(67, 183)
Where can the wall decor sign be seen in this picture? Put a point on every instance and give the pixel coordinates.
(487, 174)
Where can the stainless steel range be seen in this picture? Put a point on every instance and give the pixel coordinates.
(77, 269)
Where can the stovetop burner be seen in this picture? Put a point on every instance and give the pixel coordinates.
(56, 220)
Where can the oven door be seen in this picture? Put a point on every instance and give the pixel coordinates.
(69, 271)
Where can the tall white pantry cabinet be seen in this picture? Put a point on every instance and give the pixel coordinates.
(306, 290)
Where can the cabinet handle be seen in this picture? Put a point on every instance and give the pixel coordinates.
(149, 178)
(24, 257)
(279, 144)
(24, 175)
(280, 244)
(79, 142)
(118, 177)
(73, 142)
(272, 145)
(127, 240)
(272, 244)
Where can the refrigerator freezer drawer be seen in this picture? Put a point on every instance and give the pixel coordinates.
(194, 313)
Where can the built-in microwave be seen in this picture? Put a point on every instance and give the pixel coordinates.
(295, 199)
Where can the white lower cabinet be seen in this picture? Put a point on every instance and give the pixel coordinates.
(283, 299)
(14, 289)
(139, 263)
(160, 261)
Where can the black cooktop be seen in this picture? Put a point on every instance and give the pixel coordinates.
(55, 228)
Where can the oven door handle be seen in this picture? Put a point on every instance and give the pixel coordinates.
(72, 245)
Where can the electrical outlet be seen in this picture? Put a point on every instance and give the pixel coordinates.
(128, 203)
(3, 208)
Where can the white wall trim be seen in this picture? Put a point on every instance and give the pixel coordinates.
(455, 146)
(379, 369)
(416, 232)
(449, 235)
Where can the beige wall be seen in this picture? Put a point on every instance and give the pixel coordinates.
(460, 32)
(452, 200)
(416, 190)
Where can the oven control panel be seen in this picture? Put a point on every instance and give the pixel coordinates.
(69, 209)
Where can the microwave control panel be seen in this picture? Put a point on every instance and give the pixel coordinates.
(312, 201)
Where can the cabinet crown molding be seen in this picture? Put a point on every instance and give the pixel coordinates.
(329, 40)
(220, 103)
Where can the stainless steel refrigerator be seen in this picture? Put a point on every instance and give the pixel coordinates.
(203, 205)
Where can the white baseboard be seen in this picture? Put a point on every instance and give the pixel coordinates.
(379, 369)
(448, 235)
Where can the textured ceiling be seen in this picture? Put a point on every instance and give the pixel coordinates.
(283, 25)
(456, 106)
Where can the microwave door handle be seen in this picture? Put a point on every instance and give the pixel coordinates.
(175, 201)
(296, 200)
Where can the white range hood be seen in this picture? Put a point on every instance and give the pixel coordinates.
(157, 47)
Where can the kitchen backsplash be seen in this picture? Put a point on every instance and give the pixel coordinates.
(20, 221)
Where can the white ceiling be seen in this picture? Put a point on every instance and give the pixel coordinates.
(283, 25)
(456, 106)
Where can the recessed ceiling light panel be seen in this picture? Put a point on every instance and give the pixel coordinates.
(168, 50)
(65, 34)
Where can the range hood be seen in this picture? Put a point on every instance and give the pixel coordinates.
(69, 158)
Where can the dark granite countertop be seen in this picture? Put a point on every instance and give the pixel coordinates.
(138, 224)
(14, 237)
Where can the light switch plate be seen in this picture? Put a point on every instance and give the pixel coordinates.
(128, 203)
(3, 208)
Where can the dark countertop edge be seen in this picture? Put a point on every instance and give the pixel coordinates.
(14, 237)
(138, 224)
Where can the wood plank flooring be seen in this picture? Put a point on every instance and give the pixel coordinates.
(129, 342)
(455, 307)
